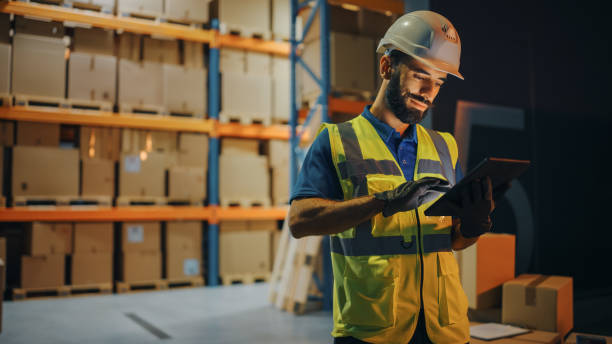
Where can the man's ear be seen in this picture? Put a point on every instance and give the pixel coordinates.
(384, 68)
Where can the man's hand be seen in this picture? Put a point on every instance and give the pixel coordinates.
(410, 195)
(477, 204)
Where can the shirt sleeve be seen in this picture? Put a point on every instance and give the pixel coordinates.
(458, 172)
(318, 177)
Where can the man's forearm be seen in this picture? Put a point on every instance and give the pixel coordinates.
(458, 241)
(318, 216)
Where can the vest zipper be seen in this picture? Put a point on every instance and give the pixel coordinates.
(420, 255)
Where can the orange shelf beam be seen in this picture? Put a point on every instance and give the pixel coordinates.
(107, 21)
(104, 119)
(254, 213)
(157, 213)
(254, 131)
(393, 6)
(340, 105)
(253, 44)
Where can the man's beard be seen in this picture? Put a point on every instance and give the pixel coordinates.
(397, 103)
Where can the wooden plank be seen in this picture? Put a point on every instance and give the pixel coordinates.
(279, 261)
(104, 119)
(305, 265)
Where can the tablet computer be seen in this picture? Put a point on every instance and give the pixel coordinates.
(499, 170)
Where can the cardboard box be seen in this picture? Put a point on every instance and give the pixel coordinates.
(5, 26)
(278, 153)
(140, 236)
(187, 10)
(572, 339)
(39, 27)
(280, 186)
(233, 61)
(484, 267)
(244, 252)
(193, 54)
(93, 237)
(136, 140)
(185, 91)
(100, 143)
(153, 8)
(258, 63)
(39, 66)
(193, 150)
(142, 177)
(140, 83)
(104, 6)
(244, 178)
(240, 146)
(141, 266)
(47, 238)
(93, 41)
(92, 77)
(181, 264)
(533, 337)
(373, 24)
(34, 167)
(7, 133)
(5, 69)
(340, 20)
(252, 16)
(246, 96)
(186, 183)
(183, 235)
(91, 268)
(38, 134)
(540, 302)
(281, 102)
(98, 178)
(233, 226)
(129, 46)
(281, 20)
(160, 50)
(43, 271)
(263, 225)
(346, 56)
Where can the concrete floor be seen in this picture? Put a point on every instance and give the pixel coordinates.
(235, 314)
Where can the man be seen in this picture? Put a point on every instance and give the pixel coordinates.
(367, 182)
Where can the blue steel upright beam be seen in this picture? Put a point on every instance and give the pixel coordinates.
(213, 160)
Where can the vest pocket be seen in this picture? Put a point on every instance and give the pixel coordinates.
(369, 302)
(452, 300)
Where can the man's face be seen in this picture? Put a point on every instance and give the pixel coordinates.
(412, 90)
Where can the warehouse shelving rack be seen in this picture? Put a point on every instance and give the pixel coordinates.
(324, 102)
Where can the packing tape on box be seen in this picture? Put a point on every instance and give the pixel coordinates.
(530, 289)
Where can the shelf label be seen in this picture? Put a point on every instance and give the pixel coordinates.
(135, 234)
(131, 164)
(191, 267)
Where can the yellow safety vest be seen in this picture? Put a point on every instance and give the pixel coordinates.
(382, 273)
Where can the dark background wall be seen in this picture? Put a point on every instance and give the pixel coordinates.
(553, 61)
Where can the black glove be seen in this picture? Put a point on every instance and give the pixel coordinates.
(477, 204)
(410, 195)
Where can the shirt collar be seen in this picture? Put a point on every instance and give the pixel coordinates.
(385, 131)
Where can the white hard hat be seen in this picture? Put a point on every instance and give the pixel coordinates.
(428, 37)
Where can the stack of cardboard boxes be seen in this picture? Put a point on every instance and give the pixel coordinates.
(47, 244)
(187, 178)
(487, 272)
(183, 254)
(249, 18)
(190, 11)
(278, 156)
(99, 150)
(140, 8)
(92, 254)
(104, 6)
(2, 275)
(5, 60)
(243, 174)
(246, 249)
(140, 257)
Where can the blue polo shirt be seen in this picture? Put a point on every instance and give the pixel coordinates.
(318, 177)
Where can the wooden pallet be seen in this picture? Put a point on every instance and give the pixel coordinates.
(126, 201)
(62, 291)
(128, 287)
(245, 203)
(152, 16)
(29, 100)
(245, 119)
(279, 260)
(243, 31)
(184, 202)
(87, 6)
(185, 113)
(6, 99)
(186, 282)
(48, 2)
(229, 279)
(96, 105)
(193, 24)
(26, 201)
(142, 109)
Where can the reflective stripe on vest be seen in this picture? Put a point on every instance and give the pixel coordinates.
(364, 243)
